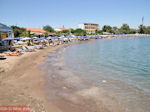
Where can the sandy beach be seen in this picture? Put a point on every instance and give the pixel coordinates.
(23, 83)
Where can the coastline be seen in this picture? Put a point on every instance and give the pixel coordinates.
(24, 84)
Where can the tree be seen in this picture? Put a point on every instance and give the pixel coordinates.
(125, 29)
(148, 30)
(115, 30)
(99, 32)
(48, 28)
(17, 30)
(107, 28)
(79, 32)
(142, 29)
(133, 31)
(65, 32)
(72, 30)
(46, 34)
(58, 33)
(26, 34)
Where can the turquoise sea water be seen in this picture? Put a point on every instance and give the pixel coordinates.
(120, 67)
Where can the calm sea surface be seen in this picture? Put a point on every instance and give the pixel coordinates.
(120, 67)
(115, 72)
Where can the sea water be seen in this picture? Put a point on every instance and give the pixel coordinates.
(115, 71)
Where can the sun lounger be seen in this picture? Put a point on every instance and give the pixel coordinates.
(2, 57)
(14, 53)
(25, 50)
(22, 49)
(40, 47)
(30, 50)
(35, 47)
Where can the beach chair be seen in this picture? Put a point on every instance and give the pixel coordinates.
(29, 50)
(25, 50)
(35, 47)
(22, 49)
(14, 53)
(40, 47)
(2, 57)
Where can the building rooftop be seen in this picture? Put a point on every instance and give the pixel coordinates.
(62, 28)
(90, 23)
(35, 30)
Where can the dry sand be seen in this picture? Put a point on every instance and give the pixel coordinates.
(21, 83)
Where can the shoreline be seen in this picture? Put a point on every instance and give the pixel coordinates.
(24, 84)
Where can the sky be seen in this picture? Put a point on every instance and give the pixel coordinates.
(56, 13)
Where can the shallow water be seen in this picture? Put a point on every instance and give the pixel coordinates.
(115, 72)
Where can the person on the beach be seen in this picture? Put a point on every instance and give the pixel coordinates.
(50, 41)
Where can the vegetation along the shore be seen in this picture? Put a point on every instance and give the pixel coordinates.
(124, 29)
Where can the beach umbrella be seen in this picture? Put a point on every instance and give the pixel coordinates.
(41, 38)
(17, 38)
(55, 37)
(49, 37)
(9, 38)
(69, 37)
(36, 39)
(65, 36)
(26, 38)
(61, 36)
(74, 36)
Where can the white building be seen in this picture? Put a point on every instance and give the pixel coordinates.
(89, 27)
(61, 29)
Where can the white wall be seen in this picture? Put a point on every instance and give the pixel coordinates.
(57, 29)
(81, 26)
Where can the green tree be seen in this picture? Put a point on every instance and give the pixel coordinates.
(72, 30)
(46, 34)
(48, 28)
(115, 30)
(148, 30)
(125, 29)
(17, 30)
(99, 32)
(142, 29)
(58, 33)
(65, 32)
(79, 32)
(107, 28)
(133, 31)
(26, 34)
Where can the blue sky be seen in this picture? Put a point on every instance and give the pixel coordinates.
(37, 13)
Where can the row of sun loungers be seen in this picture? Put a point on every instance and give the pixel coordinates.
(20, 51)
